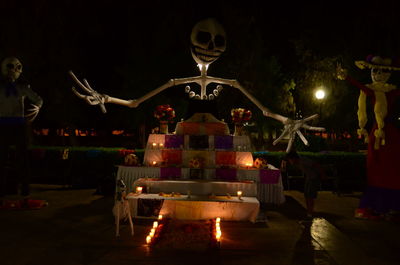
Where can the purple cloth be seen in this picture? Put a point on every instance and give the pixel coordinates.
(380, 200)
(223, 142)
(228, 174)
(269, 176)
(170, 172)
(173, 141)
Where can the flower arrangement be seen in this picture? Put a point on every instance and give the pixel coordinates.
(164, 113)
(260, 163)
(240, 115)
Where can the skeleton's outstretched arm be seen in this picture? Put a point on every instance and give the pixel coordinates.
(291, 127)
(95, 98)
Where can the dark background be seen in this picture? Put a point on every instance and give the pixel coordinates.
(128, 48)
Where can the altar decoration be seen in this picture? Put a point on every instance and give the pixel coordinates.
(131, 160)
(196, 162)
(239, 117)
(260, 162)
(165, 114)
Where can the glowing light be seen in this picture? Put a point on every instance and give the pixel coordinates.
(148, 239)
(154, 163)
(139, 190)
(159, 216)
(218, 220)
(154, 145)
(239, 193)
(155, 224)
(161, 145)
(320, 94)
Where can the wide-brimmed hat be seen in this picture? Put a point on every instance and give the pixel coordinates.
(373, 61)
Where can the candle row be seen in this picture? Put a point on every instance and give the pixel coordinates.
(153, 230)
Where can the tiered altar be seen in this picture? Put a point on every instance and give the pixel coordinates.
(197, 173)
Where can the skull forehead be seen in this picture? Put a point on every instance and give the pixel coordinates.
(210, 25)
(10, 60)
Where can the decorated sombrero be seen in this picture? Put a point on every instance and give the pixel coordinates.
(373, 61)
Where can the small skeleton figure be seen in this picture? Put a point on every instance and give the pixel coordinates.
(13, 129)
(208, 42)
(121, 207)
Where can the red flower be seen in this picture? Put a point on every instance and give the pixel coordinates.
(164, 113)
(240, 115)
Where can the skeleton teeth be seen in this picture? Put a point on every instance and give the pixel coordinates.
(205, 52)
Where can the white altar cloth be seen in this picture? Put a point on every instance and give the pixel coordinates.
(198, 187)
(201, 207)
(266, 193)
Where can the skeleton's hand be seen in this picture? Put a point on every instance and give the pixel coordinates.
(94, 98)
(341, 73)
(32, 112)
(292, 127)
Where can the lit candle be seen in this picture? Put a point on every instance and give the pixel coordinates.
(151, 234)
(154, 145)
(218, 220)
(248, 165)
(139, 190)
(218, 237)
(159, 216)
(148, 239)
(155, 224)
(239, 194)
(154, 163)
(161, 145)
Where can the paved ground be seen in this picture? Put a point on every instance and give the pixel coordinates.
(77, 228)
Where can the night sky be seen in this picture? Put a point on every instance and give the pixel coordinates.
(127, 48)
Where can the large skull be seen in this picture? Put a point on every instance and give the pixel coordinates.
(379, 75)
(208, 41)
(11, 68)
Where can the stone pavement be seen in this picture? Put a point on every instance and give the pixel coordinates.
(77, 228)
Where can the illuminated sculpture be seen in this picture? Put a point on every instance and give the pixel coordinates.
(208, 42)
(383, 192)
(13, 119)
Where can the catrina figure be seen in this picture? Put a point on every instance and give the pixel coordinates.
(382, 195)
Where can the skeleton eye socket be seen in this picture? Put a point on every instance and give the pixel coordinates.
(19, 67)
(10, 66)
(219, 41)
(203, 37)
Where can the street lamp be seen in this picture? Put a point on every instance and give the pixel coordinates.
(320, 95)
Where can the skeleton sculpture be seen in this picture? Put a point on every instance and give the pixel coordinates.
(208, 42)
(11, 69)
